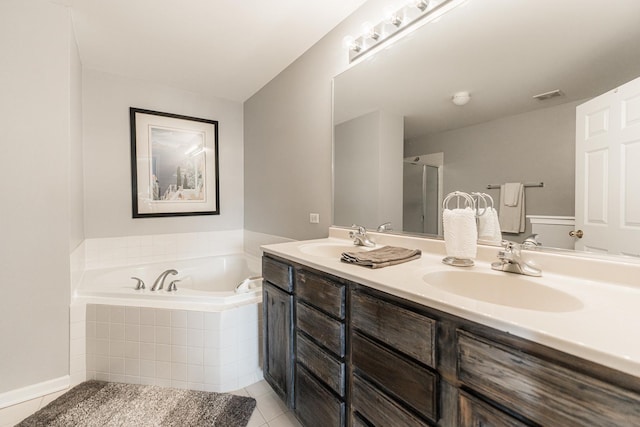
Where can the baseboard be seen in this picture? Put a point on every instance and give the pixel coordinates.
(33, 391)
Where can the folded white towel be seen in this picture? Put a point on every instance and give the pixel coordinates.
(512, 218)
(489, 227)
(510, 193)
(460, 233)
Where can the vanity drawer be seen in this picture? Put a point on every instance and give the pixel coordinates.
(324, 366)
(404, 330)
(326, 331)
(321, 292)
(540, 390)
(278, 274)
(315, 405)
(377, 408)
(405, 380)
(475, 413)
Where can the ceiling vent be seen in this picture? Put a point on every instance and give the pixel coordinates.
(548, 95)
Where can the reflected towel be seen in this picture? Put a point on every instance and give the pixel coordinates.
(512, 217)
(460, 233)
(381, 257)
(489, 227)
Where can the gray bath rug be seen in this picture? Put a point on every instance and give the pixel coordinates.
(100, 403)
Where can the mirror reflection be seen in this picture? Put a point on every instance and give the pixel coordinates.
(401, 143)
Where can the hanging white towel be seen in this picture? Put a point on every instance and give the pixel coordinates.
(510, 193)
(489, 227)
(512, 217)
(460, 233)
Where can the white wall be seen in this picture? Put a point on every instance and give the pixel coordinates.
(36, 85)
(106, 102)
(288, 135)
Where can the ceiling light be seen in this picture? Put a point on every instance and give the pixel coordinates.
(461, 98)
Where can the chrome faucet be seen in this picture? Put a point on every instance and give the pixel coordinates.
(382, 228)
(360, 237)
(157, 285)
(511, 261)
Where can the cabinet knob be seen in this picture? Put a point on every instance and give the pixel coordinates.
(576, 233)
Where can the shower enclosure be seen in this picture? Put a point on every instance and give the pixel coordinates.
(422, 194)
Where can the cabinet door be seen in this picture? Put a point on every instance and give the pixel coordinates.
(315, 405)
(277, 309)
(474, 413)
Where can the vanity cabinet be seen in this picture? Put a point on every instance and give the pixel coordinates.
(547, 389)
(392, 359)
(345, 354)
(320, 349)
(277, 312)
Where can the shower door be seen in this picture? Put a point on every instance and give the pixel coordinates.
(420, 210)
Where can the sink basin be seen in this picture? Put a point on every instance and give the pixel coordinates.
(503, 289)
(330, 250)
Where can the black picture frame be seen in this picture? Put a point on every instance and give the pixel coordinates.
(174, 165)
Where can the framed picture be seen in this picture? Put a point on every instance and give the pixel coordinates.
(174, 165)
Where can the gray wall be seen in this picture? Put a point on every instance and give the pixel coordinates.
(39, 111)
(372, 143)
(531, 147)
(106, 102)
(288, 134)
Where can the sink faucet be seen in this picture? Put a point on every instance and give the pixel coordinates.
(511, 261)
(157, 285)
(382, 228)
(360, 237)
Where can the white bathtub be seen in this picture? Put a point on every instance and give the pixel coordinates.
(203, 336)
(205, 283)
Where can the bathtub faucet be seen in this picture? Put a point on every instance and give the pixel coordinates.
(157, 285)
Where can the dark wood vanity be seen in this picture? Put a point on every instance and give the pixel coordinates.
(343, 354)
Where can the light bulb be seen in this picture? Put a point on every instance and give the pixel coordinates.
(351, 44)
(369, 31)
(392, 17)
(420, 4)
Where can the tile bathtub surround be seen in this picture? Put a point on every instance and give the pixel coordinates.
(131, 250)
(211, 351)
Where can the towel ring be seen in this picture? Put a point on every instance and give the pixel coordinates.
(490, 198)
(480, 196)
(468, 200)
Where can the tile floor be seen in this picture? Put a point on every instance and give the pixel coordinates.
(270, 410)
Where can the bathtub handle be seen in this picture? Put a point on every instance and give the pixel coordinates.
(172, 286)
(139, 284)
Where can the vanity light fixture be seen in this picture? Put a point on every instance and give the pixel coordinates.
(396, 22)
(461, 98)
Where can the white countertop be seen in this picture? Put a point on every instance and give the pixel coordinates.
(603, 327)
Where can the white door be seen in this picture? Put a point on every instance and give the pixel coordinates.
(608, 172)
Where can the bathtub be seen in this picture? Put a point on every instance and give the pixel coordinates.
(208, 282)
(204, 336)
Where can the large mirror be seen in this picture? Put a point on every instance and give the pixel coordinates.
(400, 143)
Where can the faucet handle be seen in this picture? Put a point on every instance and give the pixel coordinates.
(361, 229)
(139, 284)
(172, 286)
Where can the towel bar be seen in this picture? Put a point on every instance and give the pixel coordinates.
(531, 184)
